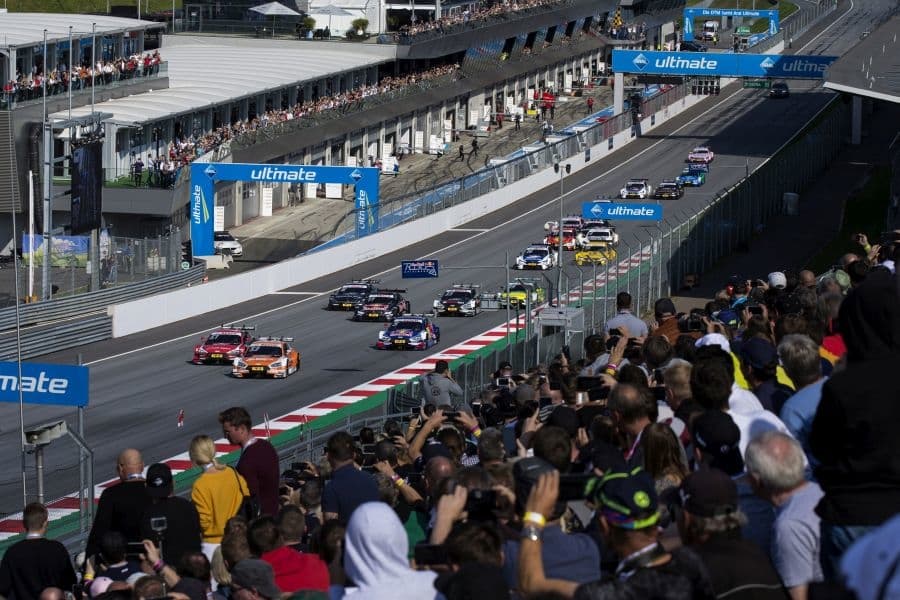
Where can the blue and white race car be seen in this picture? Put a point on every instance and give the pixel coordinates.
(536, 256)
(409, 332)
(693, 175)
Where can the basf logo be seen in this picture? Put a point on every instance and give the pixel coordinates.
(767, 63)
(640, 61)
(44, 384)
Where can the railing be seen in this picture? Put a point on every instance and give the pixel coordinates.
(60, 336)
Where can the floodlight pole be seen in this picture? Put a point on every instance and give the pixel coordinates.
(48, 217)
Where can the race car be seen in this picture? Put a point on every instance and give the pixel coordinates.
(409, 332)
(636, 188)
(268, 357)
(351, 295)
(536, 256)
(382, 305)
(569, 238)
(598, 256)
(518, 293)
(599, 237)
(701, 154)
(460, 299)
(693, 175)
(223, 345)
(669, 188)
(594, 223)
(225, 243)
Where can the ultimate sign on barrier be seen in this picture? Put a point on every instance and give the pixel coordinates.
(204, 176)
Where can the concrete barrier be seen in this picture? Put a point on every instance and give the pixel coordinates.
(148, 313)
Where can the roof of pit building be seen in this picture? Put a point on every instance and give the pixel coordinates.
(872, 68)
(27, 29)
(205, 72)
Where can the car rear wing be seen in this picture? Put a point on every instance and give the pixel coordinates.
(698, 168)
(240, 326)
(369, 281)
(275, 338)
(388, 291)
(465, 286)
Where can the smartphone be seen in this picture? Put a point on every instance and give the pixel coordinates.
(502, 381)
(754, 283)
(415, 411)
(453, 414)
(480, 504)
(413, 478)
(134, 550)
(476, 409)
(755, 310)
(572, 486)
(430, 554)
(659, 393)
(583, 384)
(368, 448)
(159, 524)
(615, 332)
(545, 401)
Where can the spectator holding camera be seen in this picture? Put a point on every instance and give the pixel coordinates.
(171, 522)
(440, 388)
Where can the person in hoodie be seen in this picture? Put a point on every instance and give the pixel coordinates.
(854, 434)
(439, 388)
(375, 551)
(294, 571)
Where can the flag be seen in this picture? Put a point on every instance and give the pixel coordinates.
(617, 19)
(181, 418)
(268, 431)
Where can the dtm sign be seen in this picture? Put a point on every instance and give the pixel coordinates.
(721, 64)
(44, 384)
(204, 177)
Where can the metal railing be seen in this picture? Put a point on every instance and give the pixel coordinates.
(61, 336)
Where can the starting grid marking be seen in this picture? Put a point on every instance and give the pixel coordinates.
(68, 505)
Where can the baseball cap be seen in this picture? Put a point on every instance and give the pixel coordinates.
(159, 480)
(664, 306)
(433, 450)
(255, 574)
(100, 585)
(714, 339)
(708, 493)
(777, 280)
(717, 435)
(504, 365)
(758, 353)
(627, 499)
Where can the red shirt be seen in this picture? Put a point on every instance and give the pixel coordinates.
(297, 571)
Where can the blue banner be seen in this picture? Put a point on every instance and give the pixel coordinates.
(622, 211)
(709, 64)
(204, 175)
(419, 269)
(62, 385)
(710, 13)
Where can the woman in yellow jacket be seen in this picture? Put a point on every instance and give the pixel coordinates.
(217, 493)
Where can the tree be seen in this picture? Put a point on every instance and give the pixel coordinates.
(360, 25)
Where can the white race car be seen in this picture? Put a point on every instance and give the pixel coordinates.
(636, 188)
(536, 256)
(598, 237)
(224, 242)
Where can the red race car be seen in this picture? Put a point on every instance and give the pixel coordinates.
(223, 345)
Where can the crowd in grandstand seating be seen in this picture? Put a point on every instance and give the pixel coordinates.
(747, 449)
(28, 86)
(481, 13)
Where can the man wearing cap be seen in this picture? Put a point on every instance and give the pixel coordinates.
(171, 522)
(777, 473)
(628, 515)
(254, 579)
(759, 363)
(709, 522)
(667, 320)
(777, 280)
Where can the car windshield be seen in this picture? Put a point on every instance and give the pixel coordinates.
(380, 299)
(264, 350)
(536, 252)
(517, 288)
(415, 326)
(667, 186)
(353, 289)
(231, 339)
(701, 150)
(599, 234)
(224, 237)
(634, 185)
(456, 295)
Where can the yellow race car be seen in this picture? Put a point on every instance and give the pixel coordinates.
(518, 294)
(594, 256)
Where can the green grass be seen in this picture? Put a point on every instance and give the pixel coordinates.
(87, 6)
(863, 213)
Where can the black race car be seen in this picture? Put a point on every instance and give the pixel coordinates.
(670, 188)
(382, 305)
(461, 299)
(351, 295)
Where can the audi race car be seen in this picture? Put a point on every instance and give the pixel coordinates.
(701, 154)
(693, 175)
(599, 237)
(268, 357)
(669, 188)
(569, 238)
(636, 188)
(382, 305)
(409, 332)
(223, 345)
(351, 295)
(518, 293)
(461, 299)
(536, 256)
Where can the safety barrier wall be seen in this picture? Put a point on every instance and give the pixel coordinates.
(147, 313)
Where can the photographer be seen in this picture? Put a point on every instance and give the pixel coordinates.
(439, 387)
(171, 522)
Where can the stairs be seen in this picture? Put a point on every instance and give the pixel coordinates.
(9, 181)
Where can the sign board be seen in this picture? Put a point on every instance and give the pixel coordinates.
(265, 201)
(419, 269)
(205, 175)
(698, 167)
(742, 30)
(717, 64)
(219, 219)
(622, 211)
(706, 13)
(62, 385)
(758, 84)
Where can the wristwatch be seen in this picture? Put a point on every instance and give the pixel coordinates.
(531, 532)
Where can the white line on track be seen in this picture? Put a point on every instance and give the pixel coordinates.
(296, 293)
(479, 232)
(474, 230)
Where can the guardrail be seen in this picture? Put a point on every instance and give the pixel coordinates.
(77, 332)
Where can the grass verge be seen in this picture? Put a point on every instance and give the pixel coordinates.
(87, 6)
(863, 213)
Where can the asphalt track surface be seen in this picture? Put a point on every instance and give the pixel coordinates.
(139, 383)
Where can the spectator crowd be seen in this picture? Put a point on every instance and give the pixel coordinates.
(30, 86)
(470, 17)
(748, 449)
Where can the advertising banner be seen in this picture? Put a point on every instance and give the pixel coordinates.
(796, 66)
(419, 269)
(690, 14)
(622, 211)
(63, 385)
(65, 250)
